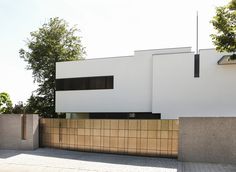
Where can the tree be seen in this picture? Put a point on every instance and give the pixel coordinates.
(19, 108)
(51, 43)
(232, 5)
(35, 104)
(5, 103)
(224, 22)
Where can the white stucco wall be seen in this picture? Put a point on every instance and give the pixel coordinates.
(132, 85)
(177, 93)
(157, 81)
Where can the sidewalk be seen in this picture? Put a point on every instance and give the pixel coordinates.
(54, 160)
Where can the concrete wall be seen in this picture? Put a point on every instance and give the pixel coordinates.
(10, 132)
(130, 76)
(207, 140)
(172, 79)
(176, 93)
(132, 83)
(157, 81)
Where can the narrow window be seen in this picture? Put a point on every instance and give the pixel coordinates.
(85, 83)
(196, 66)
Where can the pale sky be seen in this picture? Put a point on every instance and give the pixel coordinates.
(108, 28)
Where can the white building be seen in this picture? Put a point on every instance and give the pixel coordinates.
(169, 83)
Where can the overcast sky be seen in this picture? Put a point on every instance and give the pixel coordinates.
(108, 28)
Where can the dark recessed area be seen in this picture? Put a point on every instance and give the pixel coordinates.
(85, 83)
(196, 66)
(139, 115)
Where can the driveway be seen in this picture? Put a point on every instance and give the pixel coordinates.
(54, 160)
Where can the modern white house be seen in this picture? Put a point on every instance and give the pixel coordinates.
(158, 83)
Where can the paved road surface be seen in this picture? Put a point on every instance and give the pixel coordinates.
(53, 160)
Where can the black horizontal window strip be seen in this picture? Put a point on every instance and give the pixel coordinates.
(124, 115)
(85, 83)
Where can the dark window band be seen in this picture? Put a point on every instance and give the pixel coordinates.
(196, 65)
(125, 115)
(85, 83)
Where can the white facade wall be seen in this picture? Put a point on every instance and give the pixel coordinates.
(177, 93)
(157, 81)
(172, 75)
(132, 85)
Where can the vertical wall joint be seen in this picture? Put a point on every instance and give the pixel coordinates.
(23, 127)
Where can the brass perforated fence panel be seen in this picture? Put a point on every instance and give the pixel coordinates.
(138, 137)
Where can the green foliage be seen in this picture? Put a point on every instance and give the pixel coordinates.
(35, 105)
(232, 5)
(5, 103)
(51, 43)
(224, 23)
(19, 108)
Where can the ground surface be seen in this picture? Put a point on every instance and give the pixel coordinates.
(53, 160)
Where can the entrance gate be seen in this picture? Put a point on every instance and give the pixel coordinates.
(130, 136)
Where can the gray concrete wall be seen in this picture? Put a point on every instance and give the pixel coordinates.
(10, 132)
(207, 139)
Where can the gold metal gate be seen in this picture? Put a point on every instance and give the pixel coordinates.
(137, 137)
